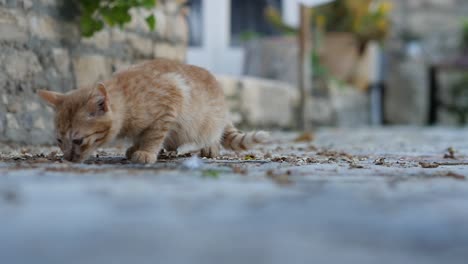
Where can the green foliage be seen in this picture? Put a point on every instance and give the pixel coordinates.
(459, 98)
(319, 70)
(249, 35)
(95, 14)
(151, 21)
(367, 20)
(464, 40)
(273, 16)
(213, 174)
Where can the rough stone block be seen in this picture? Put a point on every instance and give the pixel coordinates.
(27, 4)
(117, 35)
(62, 60)
(2, 125)
(14, 107)
(165, 50)
(38, 136)
(267, 103)
(39, 123)
(180, 53)
(230, 85)
(90, 69)
(11, 121)
(33, 107)
(12, 26)
(10, 32)
(4, 99)
(177, 29)
(43, 26)
(405, 100)
(351, 106)
(171, 7)
(259, 102)
(26, 120)
(100, 39)
(144, 46)
(232, 92)
(161, 23)
(320, 112)
(21, 64)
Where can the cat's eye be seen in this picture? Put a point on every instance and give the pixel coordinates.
(77, 142)
(59, 140)
(102, 105)
(101, 109)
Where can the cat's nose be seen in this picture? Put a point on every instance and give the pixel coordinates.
(67, 156)
(71, 156)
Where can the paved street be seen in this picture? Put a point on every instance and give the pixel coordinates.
(381, 195)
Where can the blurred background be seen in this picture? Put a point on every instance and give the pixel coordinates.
(282, 66)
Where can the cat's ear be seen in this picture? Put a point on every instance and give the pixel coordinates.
(101, 100)
(52, 98)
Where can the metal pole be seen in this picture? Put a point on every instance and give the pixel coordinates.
(304, 65)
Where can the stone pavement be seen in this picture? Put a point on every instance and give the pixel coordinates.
(382, 195)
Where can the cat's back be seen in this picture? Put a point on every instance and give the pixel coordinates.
(196, 77)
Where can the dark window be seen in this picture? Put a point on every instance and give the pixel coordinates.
(195, 21)
(248, 19)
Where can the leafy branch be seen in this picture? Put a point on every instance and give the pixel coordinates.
(95, 14)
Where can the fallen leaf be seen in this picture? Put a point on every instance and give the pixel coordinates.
(249, 157)
(305, 137)
(427, 165)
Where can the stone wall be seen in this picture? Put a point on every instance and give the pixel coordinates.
(260, 103)
(41, 48)
(437, 24)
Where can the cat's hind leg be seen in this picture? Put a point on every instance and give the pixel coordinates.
(211, 151)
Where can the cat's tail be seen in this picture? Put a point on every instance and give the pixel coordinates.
(236, 140)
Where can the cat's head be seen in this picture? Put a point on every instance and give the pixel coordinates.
(83, 120)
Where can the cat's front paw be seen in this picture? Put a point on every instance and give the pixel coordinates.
(144, 157)
(130, 151)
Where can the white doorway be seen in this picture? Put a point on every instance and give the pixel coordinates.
(214, 51)
(214, 40)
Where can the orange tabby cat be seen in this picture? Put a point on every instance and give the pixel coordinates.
(158, 104)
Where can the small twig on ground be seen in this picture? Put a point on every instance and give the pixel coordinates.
(280, 178)
(455, 175)
(461, 163)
